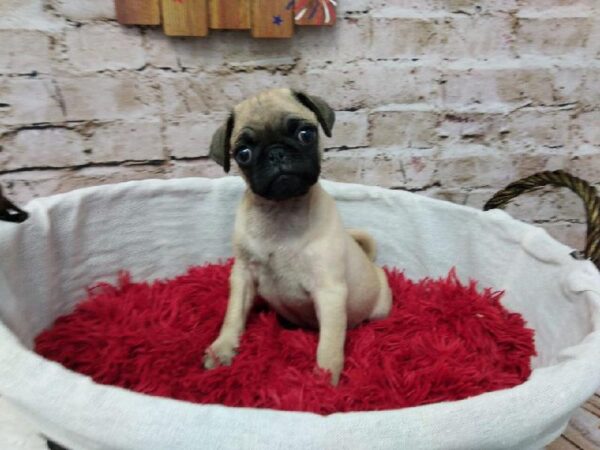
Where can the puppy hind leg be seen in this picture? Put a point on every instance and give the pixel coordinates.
(365, 241)
(384, 300)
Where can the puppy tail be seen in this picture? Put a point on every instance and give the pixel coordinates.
(365, 241)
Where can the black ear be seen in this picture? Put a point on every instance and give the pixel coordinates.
(219, 146)
(322, 110)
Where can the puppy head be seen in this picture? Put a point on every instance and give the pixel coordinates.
(274, 139)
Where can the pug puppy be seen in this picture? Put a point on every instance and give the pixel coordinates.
(290, 245)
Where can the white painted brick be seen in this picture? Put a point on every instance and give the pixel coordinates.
(22, 187)
(82, 10)
(24, 101)
(456, 126)
(367, 166)
(535, 160)
(238, 51)
(404, 128)
(206, 53)
(451, 195)
(27, 15)
(106, 97)
(511, 82)
(590, 94)
(346, 41)
(190, 136)
(469, 165)
(552, 35)
(556, 8)
(313, 45)
(358, 5)
(208, 93)
(24, 52)
(485, 116)
(350, 130)
(160, 49)
(448, 36)
(51, 147)
(393, 82)
(454, 6)
(548, 205)
(198, 168)
(219, 49)
(570, 234)
(104, 46)
(585, 163)
(480, 166)
(472, 166)
(593, 42)
(541, 205)
(534, 127)
(552, 207)
(476, 36)
(419, 167)
(398, 167)
(587, 127)
(126, 141)
(183, 94)
(342, 86)
(402, 37)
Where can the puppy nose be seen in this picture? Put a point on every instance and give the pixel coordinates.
(277, 155)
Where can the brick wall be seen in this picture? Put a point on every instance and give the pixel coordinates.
(448, 98)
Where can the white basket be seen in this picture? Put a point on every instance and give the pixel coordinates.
(158, 229)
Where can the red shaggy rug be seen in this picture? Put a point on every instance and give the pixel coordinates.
(443, 341)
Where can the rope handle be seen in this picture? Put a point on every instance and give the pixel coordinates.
(9, 212)
(559, 178)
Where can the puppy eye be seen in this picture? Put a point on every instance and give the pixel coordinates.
(307, 135)
(243, 155)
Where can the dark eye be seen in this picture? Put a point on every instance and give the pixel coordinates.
(307, 135)
(243, 155)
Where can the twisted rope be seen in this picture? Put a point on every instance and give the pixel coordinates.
(559, 178)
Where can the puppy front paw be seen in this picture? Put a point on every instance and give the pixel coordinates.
(220, 353)
(334, 366)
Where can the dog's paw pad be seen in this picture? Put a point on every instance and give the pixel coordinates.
(219, 354)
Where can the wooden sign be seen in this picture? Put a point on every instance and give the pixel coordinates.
(230, 14)
(314, 12)
(264, 18)
(138, 12)
(185, 17)
(272, 19)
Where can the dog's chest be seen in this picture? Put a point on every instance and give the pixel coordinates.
(281, 271)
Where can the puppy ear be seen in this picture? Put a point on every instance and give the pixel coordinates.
(322, 110)
(219, 146)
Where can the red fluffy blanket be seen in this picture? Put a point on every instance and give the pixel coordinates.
(442, 341)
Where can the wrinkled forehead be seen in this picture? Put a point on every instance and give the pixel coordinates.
(269, 110)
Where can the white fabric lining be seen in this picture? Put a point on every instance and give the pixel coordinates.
(157, 228)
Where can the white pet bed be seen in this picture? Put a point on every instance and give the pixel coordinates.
(158, 228)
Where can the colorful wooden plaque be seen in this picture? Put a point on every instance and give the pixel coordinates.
(265, 18)
(314, 12)
(185, 17)
(272, 19)
(230, 14)
(138, 12)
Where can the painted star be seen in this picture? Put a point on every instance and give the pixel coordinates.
(277, 20)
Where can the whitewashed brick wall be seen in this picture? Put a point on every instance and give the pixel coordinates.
(448, 98)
